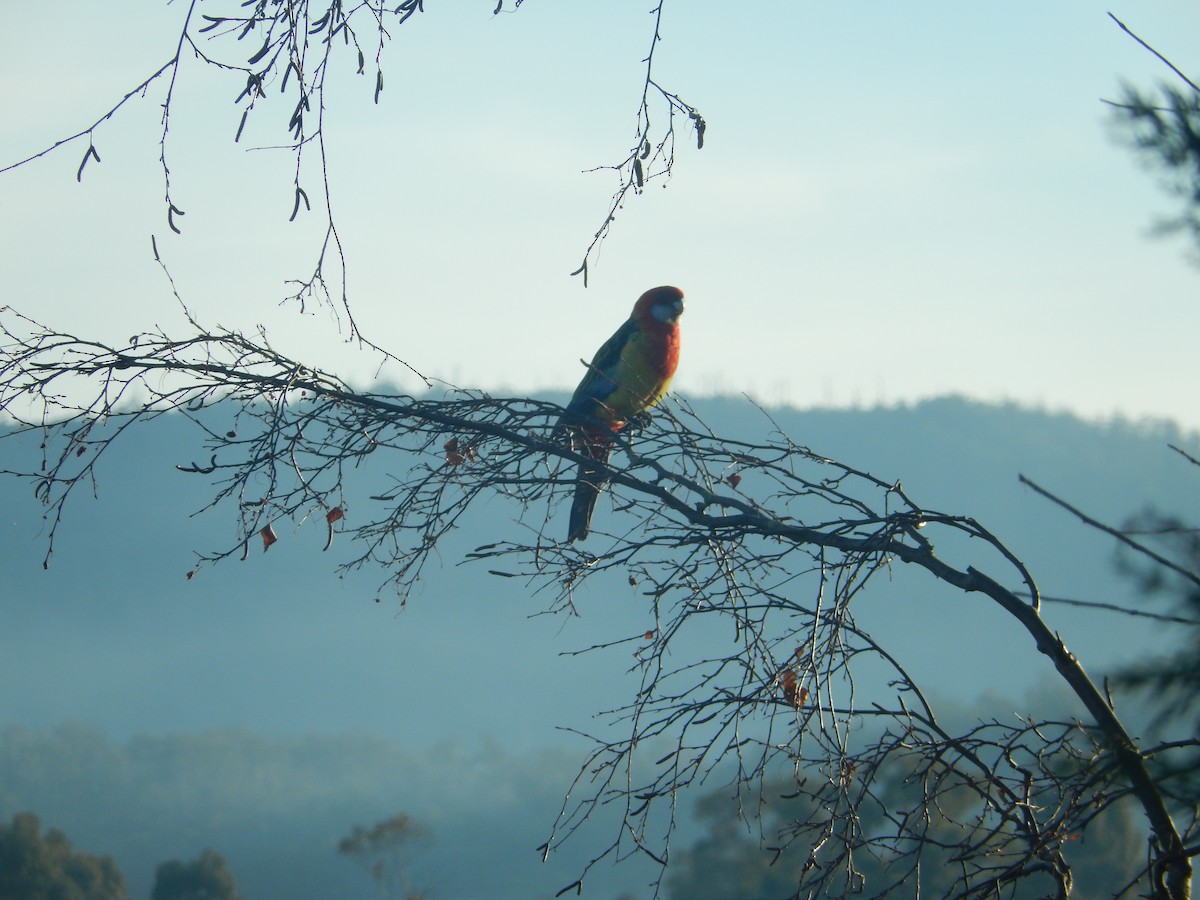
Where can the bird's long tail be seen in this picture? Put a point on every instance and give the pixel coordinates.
(589, 482)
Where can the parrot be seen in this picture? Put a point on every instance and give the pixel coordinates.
(628, 375)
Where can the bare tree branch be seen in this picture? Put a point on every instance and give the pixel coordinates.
(652, 155)
(763, 540)
(1115, 533)
(299, 42)
(1170, 65)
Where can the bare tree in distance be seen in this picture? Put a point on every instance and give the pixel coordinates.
(383, 851)
(765, 540)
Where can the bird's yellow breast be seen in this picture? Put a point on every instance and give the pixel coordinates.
(643, 374)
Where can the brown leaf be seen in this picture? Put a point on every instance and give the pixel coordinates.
(268, 538)
(793, 693)
(456, 456)
(330, 517)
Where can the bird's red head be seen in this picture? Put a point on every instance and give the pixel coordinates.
(659, 307)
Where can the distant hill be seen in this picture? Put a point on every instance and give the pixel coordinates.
(283, 653)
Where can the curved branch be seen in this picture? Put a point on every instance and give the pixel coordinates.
(704, 546)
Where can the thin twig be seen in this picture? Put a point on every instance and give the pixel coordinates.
(1170, 65)
(1113, 532)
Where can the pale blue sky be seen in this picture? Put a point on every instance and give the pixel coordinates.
(894, 201)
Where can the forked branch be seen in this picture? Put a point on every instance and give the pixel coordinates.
(764, 535)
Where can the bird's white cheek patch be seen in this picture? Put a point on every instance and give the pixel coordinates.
(667, 313)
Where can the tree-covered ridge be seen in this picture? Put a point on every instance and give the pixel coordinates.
(266, 615)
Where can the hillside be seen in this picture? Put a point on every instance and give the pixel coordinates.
(264, 707)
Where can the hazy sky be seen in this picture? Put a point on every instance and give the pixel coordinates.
(893, 200)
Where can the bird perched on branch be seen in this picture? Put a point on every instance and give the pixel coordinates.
(629, 374)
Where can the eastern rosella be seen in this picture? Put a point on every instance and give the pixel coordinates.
(629, 374)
